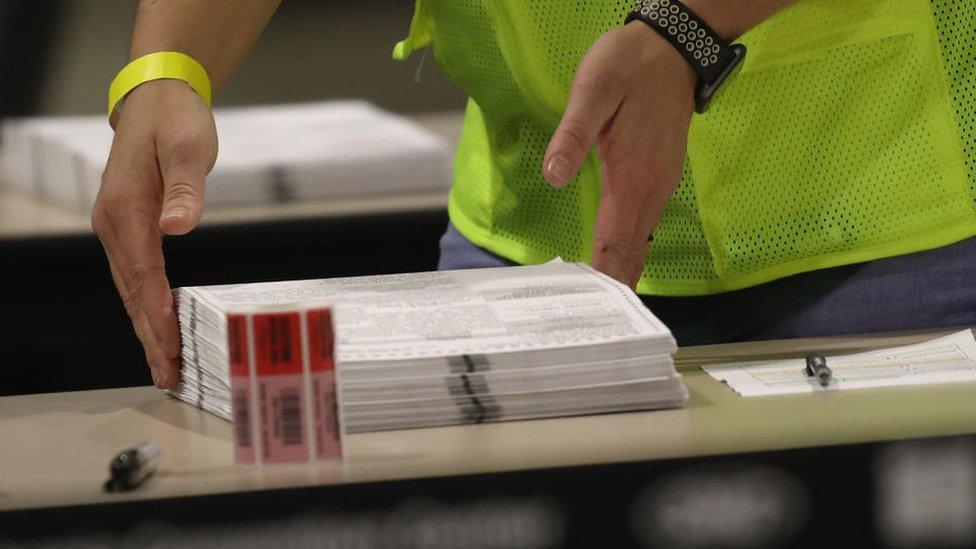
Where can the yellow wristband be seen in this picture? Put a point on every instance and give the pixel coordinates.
(159, 66)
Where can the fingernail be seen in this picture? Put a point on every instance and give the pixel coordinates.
(559, 171)
(177, 212)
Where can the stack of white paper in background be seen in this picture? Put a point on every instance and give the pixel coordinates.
(445, 348)
(268, 154)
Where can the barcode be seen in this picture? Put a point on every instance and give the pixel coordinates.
(242, 419)
(290, 417)
(280, 328)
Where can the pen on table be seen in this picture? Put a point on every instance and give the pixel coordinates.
(130, 468)
(817, 367)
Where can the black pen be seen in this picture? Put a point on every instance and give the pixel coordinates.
(817, 367)
(130, 468)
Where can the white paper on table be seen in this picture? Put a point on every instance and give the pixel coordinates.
(452, 347)
(947, 359)
(550, 307)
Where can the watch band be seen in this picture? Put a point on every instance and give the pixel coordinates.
(709, 56)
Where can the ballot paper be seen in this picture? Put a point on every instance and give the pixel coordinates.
(268, 154)
(455, 347)
(944, 360)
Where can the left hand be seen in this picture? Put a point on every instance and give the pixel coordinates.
(632, 98)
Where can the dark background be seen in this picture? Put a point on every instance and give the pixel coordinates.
(67, 329)
(22, 68)
(64, 53)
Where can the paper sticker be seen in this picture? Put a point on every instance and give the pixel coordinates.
(240, 388)
(322, 365)
(280, 386)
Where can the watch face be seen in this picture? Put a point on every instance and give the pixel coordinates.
(706, 93)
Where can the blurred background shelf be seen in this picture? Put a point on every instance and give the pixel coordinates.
(24, 216)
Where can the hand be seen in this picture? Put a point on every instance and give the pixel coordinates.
(165, 145)
(632, 98)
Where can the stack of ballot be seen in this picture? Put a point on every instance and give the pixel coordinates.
(456, 347)
(268, 154)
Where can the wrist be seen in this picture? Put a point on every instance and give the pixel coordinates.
(151, 97)
(712, 59)
(664, 55)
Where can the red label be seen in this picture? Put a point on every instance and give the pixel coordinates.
(237, 344)
(321, 343)
(277, 344)
(241, 404)
(320, 340)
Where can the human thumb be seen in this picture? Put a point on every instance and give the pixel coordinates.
(184, 164)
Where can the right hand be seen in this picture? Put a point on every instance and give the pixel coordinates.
(165, 145)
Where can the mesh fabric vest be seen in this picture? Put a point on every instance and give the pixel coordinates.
(849, 135)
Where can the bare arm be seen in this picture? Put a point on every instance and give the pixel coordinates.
(165, 145)
(217, 33)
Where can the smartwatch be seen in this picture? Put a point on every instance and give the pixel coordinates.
(710, 57)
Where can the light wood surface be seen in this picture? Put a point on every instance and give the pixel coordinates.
(24, 216)
(56, 447)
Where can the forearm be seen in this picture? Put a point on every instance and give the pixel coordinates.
(217, 33)
(732, 18)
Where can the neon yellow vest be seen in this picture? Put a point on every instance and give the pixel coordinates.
(849, 135)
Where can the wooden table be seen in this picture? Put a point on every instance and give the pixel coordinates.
(57, 446)
(586, 474)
